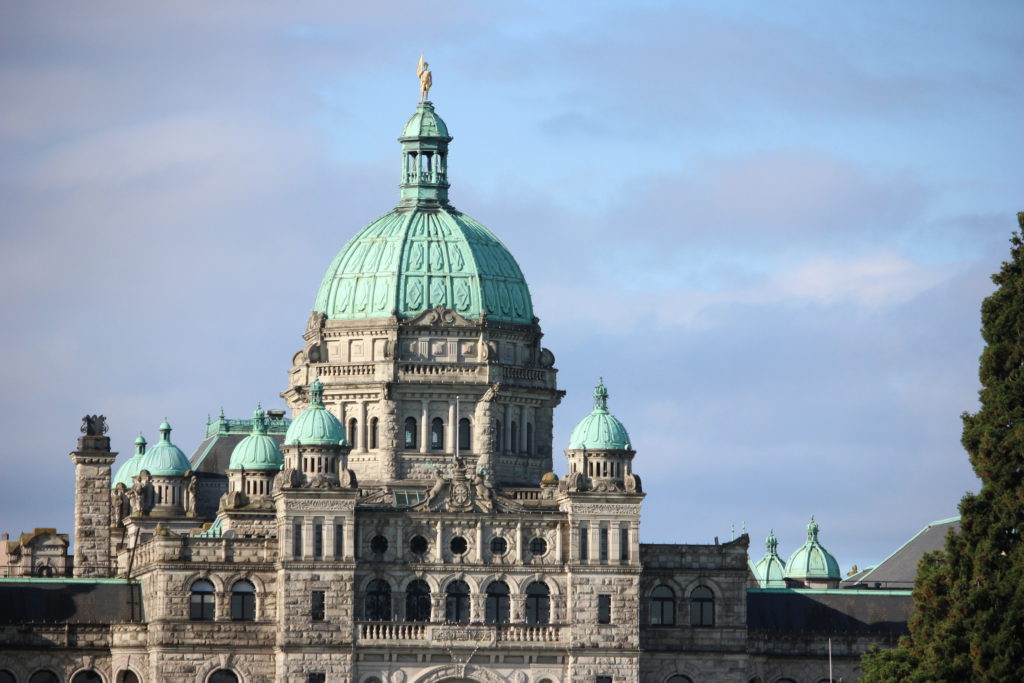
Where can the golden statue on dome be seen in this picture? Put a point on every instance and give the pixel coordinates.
(423, 71)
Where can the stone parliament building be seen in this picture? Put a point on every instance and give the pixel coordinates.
(405, 525)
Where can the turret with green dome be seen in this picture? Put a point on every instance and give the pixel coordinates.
(811, 565)
(770, 570)
(599, 451)
(315, 426)
(165, 459)
(257, 451)
(130, 467)
(600, 430)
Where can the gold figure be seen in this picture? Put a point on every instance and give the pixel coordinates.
(423, 71)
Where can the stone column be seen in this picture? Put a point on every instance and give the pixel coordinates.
(364, 431)
(506, 437)
(424, 426)
(92, 505)
(522, 429)
(451, 431)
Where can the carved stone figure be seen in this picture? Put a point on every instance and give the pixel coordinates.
(94, 425)
(192, 497)
(119, 505)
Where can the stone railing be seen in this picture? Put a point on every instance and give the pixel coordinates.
(350, 370)
(477, 634)
(414, 370)
(391, 630)
(522, 494)
(529, 633)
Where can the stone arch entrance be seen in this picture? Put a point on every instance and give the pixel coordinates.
(454, 673)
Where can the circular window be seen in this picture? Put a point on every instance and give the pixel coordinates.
(538, 546)
(418, 545)
(378, 545)
(499, 546)
(458, 545)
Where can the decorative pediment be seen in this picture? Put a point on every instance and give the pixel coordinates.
(439, 316)
(458, 491)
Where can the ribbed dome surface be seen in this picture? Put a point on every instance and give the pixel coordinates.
(770, 570)
(811, 560)
(410, 260)
(315, 426)
(165, 459)
(257, 451)
(126, 471)
(425, 123)
(600, 430)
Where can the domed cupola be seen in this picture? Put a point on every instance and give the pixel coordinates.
(165, 459)
(130, 467)
(600, 453)
(811, 566)
(770, 570)
(257, 451)
(315, 426)
(425, 253)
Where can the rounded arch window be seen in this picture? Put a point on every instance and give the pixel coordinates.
(378, 545)
(663, 606)
(418, 546)
(538, 603)
(538, 546)
(44, 676)
(378, 601)
(459, 545)
(499, 546)
(679, 678)
(223, 676)
(127, 676)
(702, 607)
(437, 434)
(374, 432)
(465, 435)
(201, 601)
(529, 438)
(496, 606)
(243, 601)
(456, 603)
(417, 601)
(411, 434)
(353, 432)
(7, 677)
(87, 677)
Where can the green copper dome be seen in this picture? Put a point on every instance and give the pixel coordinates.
(316, 426)
(257, 451)
(770, 570)
(165, 459)
(600, 431)
(425, 253)
(811, 560)
(130, 468)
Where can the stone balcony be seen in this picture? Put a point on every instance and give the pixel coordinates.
(475, 635)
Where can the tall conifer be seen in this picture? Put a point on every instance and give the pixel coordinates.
(969, 598)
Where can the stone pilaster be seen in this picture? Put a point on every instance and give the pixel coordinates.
(92, 506)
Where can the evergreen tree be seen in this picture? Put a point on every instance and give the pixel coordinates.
(968, 621)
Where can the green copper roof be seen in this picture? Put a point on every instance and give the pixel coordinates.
(425, 253)
(165, 459)
(600, 430)
(316, 426)
(130, 467)
(811, 560)
(770, 570)
(257, 451)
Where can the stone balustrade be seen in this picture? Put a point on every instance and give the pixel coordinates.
(478, 634)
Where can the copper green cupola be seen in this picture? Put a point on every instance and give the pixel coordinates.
(425, 253)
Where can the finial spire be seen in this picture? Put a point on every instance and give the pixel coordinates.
(771, 543)
(316, 392)
(165, 431)
(259, 420)
(600, 395)
(812, 530)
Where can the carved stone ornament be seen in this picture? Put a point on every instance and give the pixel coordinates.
(316, 321)
(94, 425)
(547, 359)
(439, 315)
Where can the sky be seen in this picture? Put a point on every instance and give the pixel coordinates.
(768, 226)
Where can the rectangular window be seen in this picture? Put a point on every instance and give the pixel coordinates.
(584, 544)
(604, 609)
(624, 544)
(603, 679)
(602, 547)
(297, 539)
(339, 540)
(317, 677)
(316, 607)
(318, 540)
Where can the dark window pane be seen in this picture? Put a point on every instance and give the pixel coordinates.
(411, 435)
(7, 677)
(499, 546)
(417, 601)
(316, 605)
(624, 544)
(201, 601)
(604, 609)
(437, 434)
(458, 545)
(496, 606)
(87, 677)
(297, 539)
(418, 546)
(378, 545)
(43, 677)
(702, 607)
(243, 601)
(457, 603)
(538, 547)
(316, 678)
(464, 435)
(223, 676)
(538, 603)
(663, 606)
(584, 544)
(514, 437)
(374, 433)
(602, 537)
(378, 601)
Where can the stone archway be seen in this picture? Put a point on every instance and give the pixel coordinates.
(460, 673)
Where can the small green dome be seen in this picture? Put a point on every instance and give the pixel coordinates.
(811, 560)
(257, 451)
(425, 123)
(165, 459)
(130, 467)
(770, 570)
(316, 426)
(600, 431)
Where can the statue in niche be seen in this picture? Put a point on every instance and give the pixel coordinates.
(94, 425)
(426, 79)
(193, 495)
(120, 506)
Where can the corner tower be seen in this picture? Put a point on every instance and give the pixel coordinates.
(424, 337)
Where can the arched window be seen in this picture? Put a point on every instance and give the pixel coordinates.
(7, 677)
(411, 434)
(702, 607)
(663, 606)
(679, 678)
(87, 677)
(43, 676)
(529, 438)
(243, 601)
(127, 676)
(353, 433)
(201, 601)
(374, 432)
(437, 434)
(538, 603)
(417, 601)
(499, 437)
(223, 676)
(378, 601)
(456, 603)
(464, 435)
(514, 437)
(496, 606)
